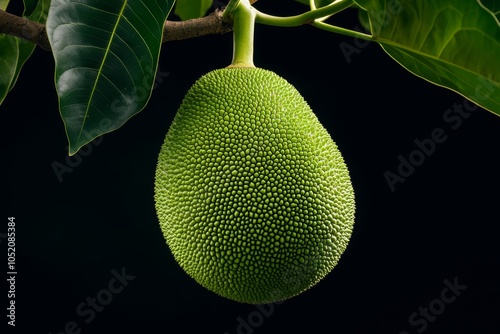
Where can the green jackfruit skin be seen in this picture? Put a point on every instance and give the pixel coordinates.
(253, 197)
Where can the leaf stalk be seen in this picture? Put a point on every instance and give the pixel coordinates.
(305, 18)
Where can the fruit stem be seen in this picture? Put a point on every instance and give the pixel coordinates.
(243, 16)
(230, 8)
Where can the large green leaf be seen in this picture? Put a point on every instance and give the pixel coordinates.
(453, 44)
(191, 9)
(106, 55)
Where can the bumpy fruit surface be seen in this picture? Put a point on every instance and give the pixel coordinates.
(253, 197)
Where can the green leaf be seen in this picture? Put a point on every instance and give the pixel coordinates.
(453, 44)
(106, 55)
(492, 6)
(8, 58)
(192, 9)
(364, 19)
(9, 53)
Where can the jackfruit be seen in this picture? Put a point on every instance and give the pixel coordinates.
(252, 194)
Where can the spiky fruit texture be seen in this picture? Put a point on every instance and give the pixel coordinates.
(253, 197)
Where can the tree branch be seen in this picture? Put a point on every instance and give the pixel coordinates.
(23, 28)
(208, 25)
(173, 30)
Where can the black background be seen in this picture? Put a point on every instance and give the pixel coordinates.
(439, 224)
